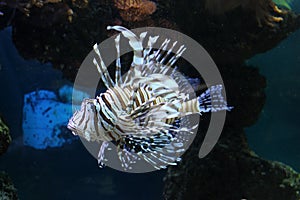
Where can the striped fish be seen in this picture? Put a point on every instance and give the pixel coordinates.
(142, 112)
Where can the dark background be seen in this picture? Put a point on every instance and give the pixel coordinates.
(71, 172)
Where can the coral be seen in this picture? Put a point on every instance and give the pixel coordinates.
(49, 11)
(7, 189)
(5, 138)
(135, 10)
(80, 3)
(51, 14)
(263, 9)
(49, 38)
(16, 4)
(284, 3)
(234, 37)
(53, 39)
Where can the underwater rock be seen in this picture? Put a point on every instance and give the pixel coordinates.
(45, 118)
(48, 36)
(261, 9)
(7, 189)
(132, 10)
(42, 12)
(12, 5)
(245, 90)
(234, 36)
(230, 171)
(5, 138)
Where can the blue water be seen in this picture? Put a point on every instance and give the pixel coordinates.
(276, 135)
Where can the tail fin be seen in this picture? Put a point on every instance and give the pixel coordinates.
(212, 100)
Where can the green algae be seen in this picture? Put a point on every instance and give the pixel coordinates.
(284, 3)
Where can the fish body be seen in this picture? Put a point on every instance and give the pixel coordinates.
(141, 112)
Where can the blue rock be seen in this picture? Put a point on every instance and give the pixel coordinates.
(45, 117)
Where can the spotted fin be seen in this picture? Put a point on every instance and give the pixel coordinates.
(127, 159)
(101, 154)
(159, 150)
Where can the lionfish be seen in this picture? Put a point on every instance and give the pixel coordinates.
(141, 111)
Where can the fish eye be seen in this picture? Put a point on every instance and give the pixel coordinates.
(93, 107)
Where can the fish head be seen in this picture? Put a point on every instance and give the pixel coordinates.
(84, 122)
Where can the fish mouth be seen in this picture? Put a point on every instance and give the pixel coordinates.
(72, 127)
